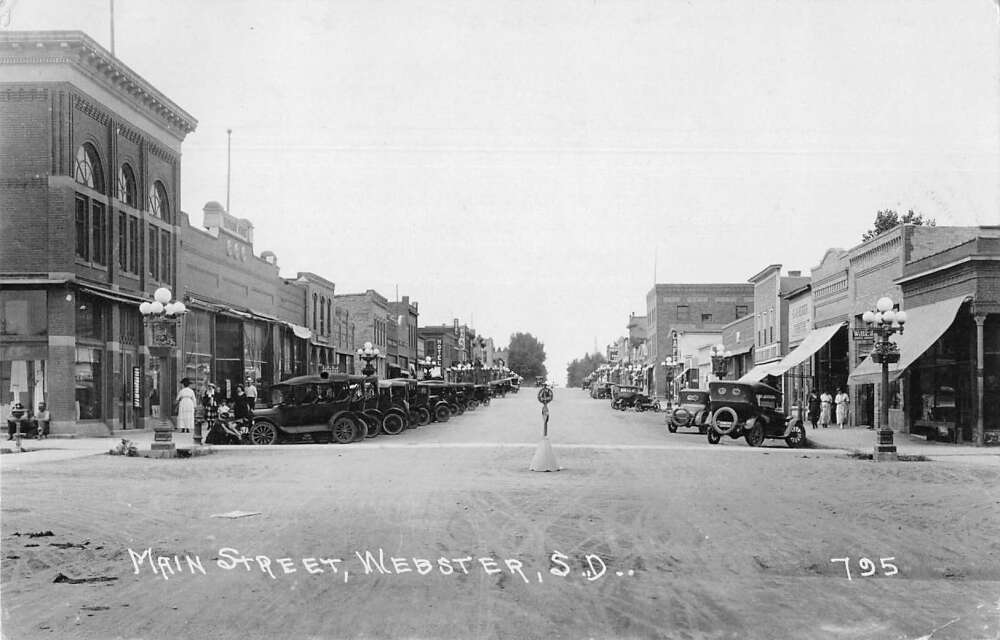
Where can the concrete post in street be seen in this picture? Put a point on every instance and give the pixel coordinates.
(545, 459)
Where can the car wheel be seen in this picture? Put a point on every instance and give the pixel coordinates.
(393, 424)
(713, 436)
(618, 404)
(754, 434)
(671, 427)
(442, 413)
(453, 408)
(373, 425)
(797, 437)
(424, 416)
(725, 420)
(362, 430)
(263, 432)
(344, 430)
(473, 405)
(461, 408)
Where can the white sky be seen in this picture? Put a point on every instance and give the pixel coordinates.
(518, 164)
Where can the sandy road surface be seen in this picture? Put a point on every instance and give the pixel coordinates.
(723, 542)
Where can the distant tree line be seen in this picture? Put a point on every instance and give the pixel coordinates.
(580, 368)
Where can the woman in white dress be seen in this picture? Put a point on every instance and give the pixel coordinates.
(185, 406)
(841, 401)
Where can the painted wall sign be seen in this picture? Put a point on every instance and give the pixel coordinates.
(136, 387)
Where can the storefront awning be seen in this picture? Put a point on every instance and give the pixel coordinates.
(924, 325)
(299, 330)
(812, 343)
(738, 351)
(115, 296)
(759, 372)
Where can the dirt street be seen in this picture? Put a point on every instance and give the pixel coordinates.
(643, 534)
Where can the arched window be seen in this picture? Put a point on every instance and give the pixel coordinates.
(322, 316)
(315, 297)
(329, 315)
(159, 206)
(126, 185)
(88, 169)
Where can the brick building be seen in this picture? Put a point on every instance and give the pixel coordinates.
(947, 382)
(406, 317)
(674, 308)
(738, 340)
(369, 311)
(244, 321)
(90, 193)
(442, 344)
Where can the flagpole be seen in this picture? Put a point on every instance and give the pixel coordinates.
(112, 28)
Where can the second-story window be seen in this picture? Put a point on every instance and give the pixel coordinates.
(126, 186)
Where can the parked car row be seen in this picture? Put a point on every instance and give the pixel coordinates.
(346, 408)
(727, 408)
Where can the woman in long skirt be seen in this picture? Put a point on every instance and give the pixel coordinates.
(185, 406)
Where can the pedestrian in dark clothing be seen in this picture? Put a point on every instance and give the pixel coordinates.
(813, 408)
(243, 407)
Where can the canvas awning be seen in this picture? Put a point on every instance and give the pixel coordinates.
(924, 325)
(738, 351)
(760, 371)
(812, 343)
(299, 330)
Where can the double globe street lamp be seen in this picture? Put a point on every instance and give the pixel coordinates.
(884, 322)
(720, 360)
(163, 316)
(368, 353)
(426, 364)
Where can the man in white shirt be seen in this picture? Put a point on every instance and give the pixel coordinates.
(251, 392)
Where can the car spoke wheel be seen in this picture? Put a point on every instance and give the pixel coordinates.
(797, 438)
(263, 432)
(393, 424)
(344, 430)
(442, 413)
(374, 426)
(755, 434)
(424, 416)
(473, 405)
(713, 436)
(671, 427)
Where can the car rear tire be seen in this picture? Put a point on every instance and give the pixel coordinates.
(374, 426)
(754, 435)
(425, 416)
(725, 420)
(713, 436)
(618, 404)
(797, 437)
(393, 424)
(473, 405)
(442, 413)
(671, 427)
(344, 430)
(263, 432)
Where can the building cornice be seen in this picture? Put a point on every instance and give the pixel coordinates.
(76, 49)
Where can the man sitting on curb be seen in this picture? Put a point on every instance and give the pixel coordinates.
(18, 421)
(40, 422)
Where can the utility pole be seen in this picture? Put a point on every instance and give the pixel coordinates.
(229, 164)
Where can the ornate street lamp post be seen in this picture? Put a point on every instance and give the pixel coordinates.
(885, 322)
(720, 361)
(668, 368)
(162, 319)
(368, 353)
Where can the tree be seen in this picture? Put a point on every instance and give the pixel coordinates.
(526, 355)
(887, 219)
(580, 368)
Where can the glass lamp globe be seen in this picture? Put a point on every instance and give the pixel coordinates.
(180, 307)
(901, 317)
(888, 317)
(868, 316)
(156, 307)
(884, 304)
(162, 295)
(144, 308)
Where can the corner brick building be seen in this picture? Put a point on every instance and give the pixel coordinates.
(90, 177)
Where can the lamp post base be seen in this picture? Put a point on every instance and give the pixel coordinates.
(885, 449)
(163, 440)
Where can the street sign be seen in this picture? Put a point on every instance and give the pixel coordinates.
(862, 333)
(545, 395)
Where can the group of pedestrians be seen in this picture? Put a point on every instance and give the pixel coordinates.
(242, 404)
(36, 426)
(822, 406)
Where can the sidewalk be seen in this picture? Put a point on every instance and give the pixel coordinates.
(863, 441)
(56, 449)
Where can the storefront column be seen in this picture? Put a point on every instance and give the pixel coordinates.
(977, 435)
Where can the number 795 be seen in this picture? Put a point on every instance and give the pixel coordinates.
(867, 566)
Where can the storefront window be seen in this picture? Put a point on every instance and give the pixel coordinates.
(23, 313)
(257, 350)
(228, 353)
(198, 349)
(89, 317)
(21, 381)
(88, 384)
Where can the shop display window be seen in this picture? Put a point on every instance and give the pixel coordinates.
(23, 313)
(21, 381)
(88, 381)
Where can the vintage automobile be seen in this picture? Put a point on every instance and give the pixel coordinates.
(691, 410)
(629, 397)
(322, 407)
(481, 393)
(752, 410)
(394, 406)
(435, 399)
